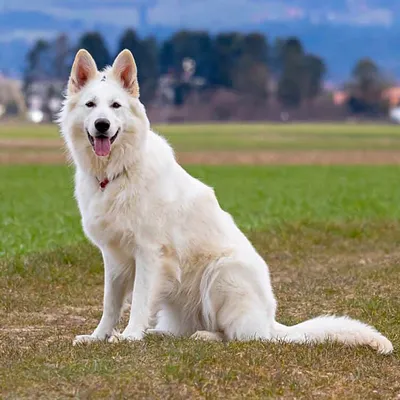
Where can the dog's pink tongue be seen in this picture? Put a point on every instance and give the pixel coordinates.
(102, 146)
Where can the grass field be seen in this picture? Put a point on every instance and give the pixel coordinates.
(247, 136)
(330, 234)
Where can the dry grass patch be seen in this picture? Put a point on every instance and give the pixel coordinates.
(47, 298)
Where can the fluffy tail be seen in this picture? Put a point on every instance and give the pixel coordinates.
(341, 329)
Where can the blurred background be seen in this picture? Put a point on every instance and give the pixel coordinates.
(210, 60)
(289, 109)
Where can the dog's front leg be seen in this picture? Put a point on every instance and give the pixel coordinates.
(147, 267)
(118, 278)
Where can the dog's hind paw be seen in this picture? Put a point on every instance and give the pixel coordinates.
(85, 339)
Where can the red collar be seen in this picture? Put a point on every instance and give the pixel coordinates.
(103, 183)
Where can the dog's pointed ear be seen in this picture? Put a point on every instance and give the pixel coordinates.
(124, 69)
(83, 70)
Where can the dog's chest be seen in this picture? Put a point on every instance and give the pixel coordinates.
(115, 216)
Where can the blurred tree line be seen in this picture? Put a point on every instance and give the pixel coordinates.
(366, 88)
(245, 63)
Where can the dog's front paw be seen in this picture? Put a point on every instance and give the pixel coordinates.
(207, 336)
(85, 339)
(158, 332)
(126, 337)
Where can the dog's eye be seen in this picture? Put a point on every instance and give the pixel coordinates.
(115, 105)
(90, 104)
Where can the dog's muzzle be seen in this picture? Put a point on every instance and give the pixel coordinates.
(101, 143)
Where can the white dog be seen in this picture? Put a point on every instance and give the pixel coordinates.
(164, 238)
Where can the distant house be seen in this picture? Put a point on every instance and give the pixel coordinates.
(392, 94)
(44, 96)
(340, 97)
(11, 97)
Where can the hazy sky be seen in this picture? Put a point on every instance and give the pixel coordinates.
(225, 14)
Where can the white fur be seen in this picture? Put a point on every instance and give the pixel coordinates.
(166, 241)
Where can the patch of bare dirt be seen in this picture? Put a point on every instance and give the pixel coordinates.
(313, 157)
(273, 157)
(30, 144)
(20, 158)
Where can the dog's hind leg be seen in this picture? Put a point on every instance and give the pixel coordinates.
(244, 304)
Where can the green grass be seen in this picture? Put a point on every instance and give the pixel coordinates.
(281, 136)
(194, 137)
(330, 234)
(37, 208)
(39, 212)
(28, 131)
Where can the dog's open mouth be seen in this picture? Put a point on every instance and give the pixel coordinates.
(102, 144)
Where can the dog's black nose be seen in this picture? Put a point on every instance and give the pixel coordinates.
(102, 125)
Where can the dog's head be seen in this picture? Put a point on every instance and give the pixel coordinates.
(102, 114)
